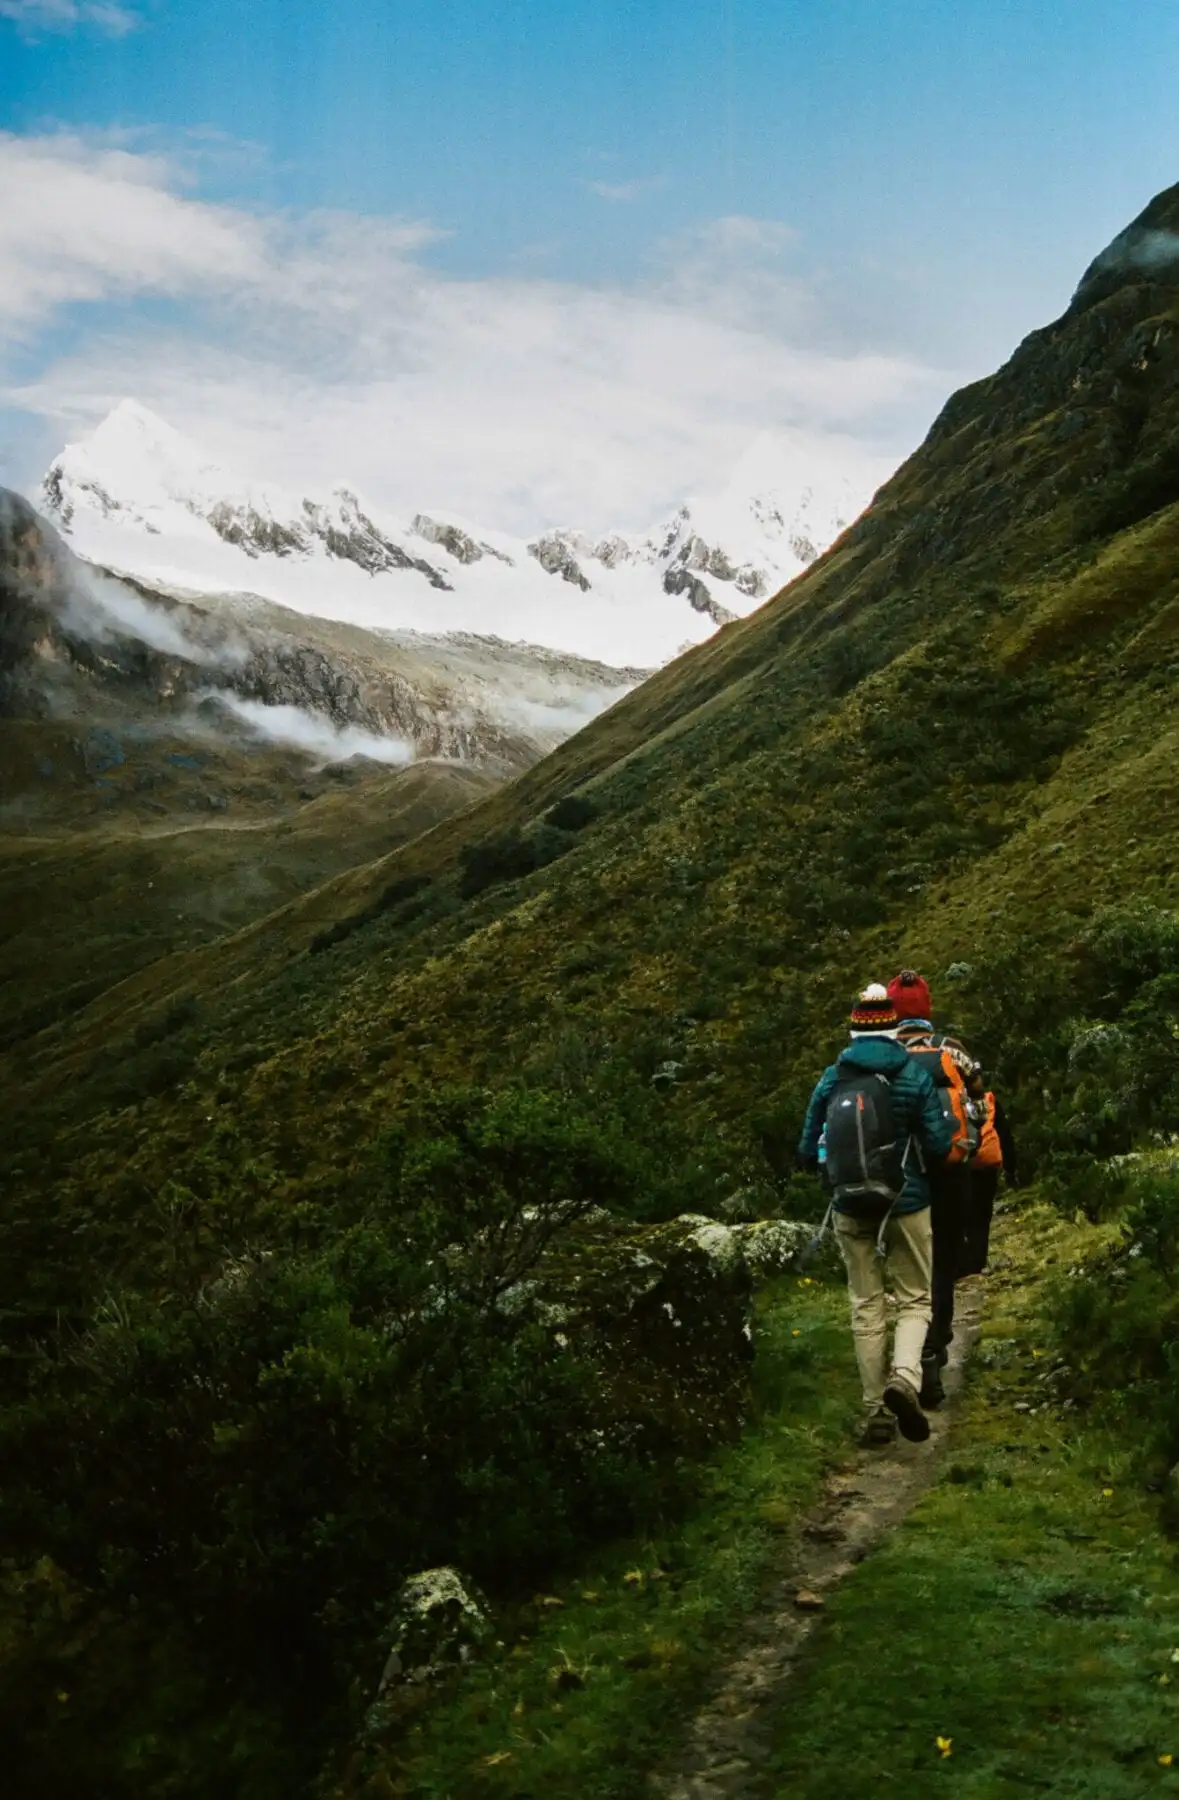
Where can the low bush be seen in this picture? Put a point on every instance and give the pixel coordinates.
(235, 1482)
(1119, 1322)
(509, 856)
(572, 812)
(1083, 1047)
(394, 896)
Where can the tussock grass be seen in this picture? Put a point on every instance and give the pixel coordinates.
(586, 1695)
(1027, 1610)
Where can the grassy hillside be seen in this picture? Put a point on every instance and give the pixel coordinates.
(950, 743)
(961, 714)
(95, 886)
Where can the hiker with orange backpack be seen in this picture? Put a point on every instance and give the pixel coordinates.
(995, 1156)
(875, 1126)
(963, 1188)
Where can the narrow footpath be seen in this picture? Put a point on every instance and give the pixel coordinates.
(727, 1751)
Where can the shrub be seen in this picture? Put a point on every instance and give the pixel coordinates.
(572, 812)
(509, 856)
(1119, 1320)
(393, 896)
(1128, 945)
(234, 1483)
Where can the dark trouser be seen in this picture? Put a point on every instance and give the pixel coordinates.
(949, 1212)
(976, 1245)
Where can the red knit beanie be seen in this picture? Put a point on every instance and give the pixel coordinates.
(910, 995)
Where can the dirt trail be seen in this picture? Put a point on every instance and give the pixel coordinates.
(726, 1751)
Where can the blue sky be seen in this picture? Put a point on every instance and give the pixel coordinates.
(920, 180)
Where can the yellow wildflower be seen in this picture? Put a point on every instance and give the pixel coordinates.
(946, 1746)
(1167, 1760)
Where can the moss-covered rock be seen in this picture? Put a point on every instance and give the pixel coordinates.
(773, 1246)
(439, 1618)
(661, 1314)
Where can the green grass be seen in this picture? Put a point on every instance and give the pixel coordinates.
(951, 742)
(1027, 1610)
(93, 896)
(585, 1696)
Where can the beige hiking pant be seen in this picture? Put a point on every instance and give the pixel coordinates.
(909, 1266)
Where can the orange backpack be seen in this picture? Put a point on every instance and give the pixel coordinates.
(940, 1063)
(989, 1154)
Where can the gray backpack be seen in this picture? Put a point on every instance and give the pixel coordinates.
(865, 1155)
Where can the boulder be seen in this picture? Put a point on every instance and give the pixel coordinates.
(773, 1246)
(439, 1620)
(660, 1316)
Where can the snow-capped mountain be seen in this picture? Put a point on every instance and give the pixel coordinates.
(82, 651)
(139, 499)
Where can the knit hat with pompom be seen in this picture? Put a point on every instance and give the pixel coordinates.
(909, 993)
(873, 1014)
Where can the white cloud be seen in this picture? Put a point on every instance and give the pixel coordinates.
(67, 15)
(86, 221)
(313, 733)
(310, 349)
(100, 609)
(623, 192)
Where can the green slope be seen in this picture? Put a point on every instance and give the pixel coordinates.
(88, 901)
(950, 743)
(905, 753)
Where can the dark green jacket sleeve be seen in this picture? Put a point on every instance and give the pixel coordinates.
(816, 1116)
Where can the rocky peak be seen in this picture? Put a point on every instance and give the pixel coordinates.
(1145, 251)
(135, 469)
(455, 541)
(554, 553)
(138, 497)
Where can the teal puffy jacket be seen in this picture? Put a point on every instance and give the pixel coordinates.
(916, 1109)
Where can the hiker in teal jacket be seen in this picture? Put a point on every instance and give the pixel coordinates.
(874, 1234)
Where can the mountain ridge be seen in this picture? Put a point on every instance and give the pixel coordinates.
(905, 547)
(138, 498)
(950, 743)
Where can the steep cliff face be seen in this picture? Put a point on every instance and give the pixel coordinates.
(32, 587)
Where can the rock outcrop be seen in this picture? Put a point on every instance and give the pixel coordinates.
(555, 556)
(439, 1620)
(662, 1313)
(679, 580)
(455, 541)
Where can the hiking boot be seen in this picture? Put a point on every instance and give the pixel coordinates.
(932, 1390)
(878, 1430)
(900, 1397)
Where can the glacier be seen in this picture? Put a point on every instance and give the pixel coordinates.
(139, 499)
